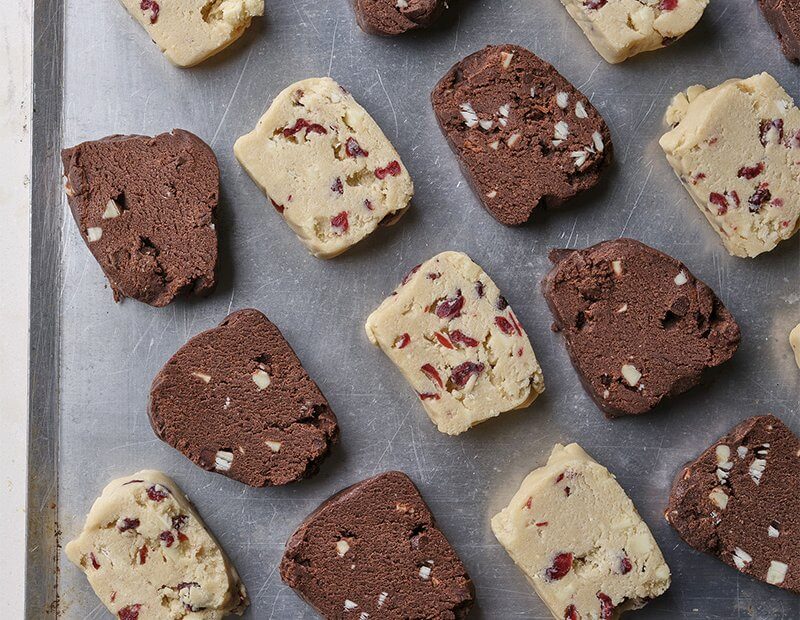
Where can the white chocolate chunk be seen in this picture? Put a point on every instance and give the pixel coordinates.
(94, 233)
(223, 460)
(326, 166)
(458, 343)
(776, 572)
(262, 379)
(144, 545)
(619, 29)
(738, 155)
(112, 210)
(794, 341)
(573, 505)
(189, 31)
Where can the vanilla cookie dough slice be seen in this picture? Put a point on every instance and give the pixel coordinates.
(458, 343)
(326, 166)
(148, 555)
(580, 541)
(619, 29)
(794, 341)
(736, 149)
(190, 31)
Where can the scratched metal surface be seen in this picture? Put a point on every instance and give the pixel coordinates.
(104, 356)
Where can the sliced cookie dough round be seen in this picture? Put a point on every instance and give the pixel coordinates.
(638, 326)
(524, 135)
(394, 17)
(236, 400)
(146, 209)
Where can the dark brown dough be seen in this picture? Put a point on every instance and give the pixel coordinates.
(784, 17)
(394, 17)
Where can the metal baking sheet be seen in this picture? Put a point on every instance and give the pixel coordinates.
(97, 73)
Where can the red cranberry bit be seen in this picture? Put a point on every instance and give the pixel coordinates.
(625, 565)
(567, 491)
(479, 289)
(301, 124)
(560, 477)
(461, 373)
(402, 341)
(594, 4)
(407, 277)
(529, 503)
(571, 613)
(502, 303)
(131, 612)
(778, 202)
(759, 197)
(167, 538)
(368, 204)
(514, 321)
(179, 521)
(450, 308)
(337, 187)
(461, 338)
(543, 524)
(143, 554)
(156, 494)
(182, 537)
(751, 172)
(562, 564)
(444, 341)
(606, 606)
(698, 177)
(127, 524)
(434, 276)
(428, 396)
(95, 563)
(113, 596)
(771, 132)
(353, 149)
(278, 208)
(668, 5)
(432, 373)
(505, 326)
(152, 6)
(392, 169)
(341, 222)
(724, 202)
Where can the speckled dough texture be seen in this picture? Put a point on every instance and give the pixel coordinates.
(580, 541)
(525, 136)
(189, 31)
(619, 29)
(457, 342)
(394, 17)
(784, 17)
(146, 209)
(739, 501)
(326, 166)
(638, 326)
(374, 551)
(148, 556)
(236, 400)
(736, 149)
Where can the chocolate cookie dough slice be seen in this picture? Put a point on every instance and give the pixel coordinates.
(189, 31)
(458, 343)
(374, 551)
(146, 209)
(525, 136)
(638, 326)
(619, 29)
(148, 555)
(735, 147)
(236, 400)
(326, 166)
(393, 17)
(784, 17)
(580, 541)
(738, 501)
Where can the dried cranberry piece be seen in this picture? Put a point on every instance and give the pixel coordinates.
(402, 341)
(668, 5)
(391, 169)
(450, 308)
(131, 612)
(368, 204)
(156, 494)
(543, 524)
(724, 202)
(278, 208)
(625, 565)
(751, 172)
(479, 289)
(337, 187)
(127, 524)
(153, 7)
(301, 124)
(407, 277)
(594, 4)
(143, 554)
(443, 340)
(562, 564)
(178, 522)
(461, 373)
(461, 338)
(759, 197)
(559, 478)
(606, 606)
(434, 276)
(505, 326)
(428, 396)
(529, 503)
(771, 132)
(341, 221)
(182, 537)
(95, 563)
(432, 373)
(502, 303)
(571, 613)
(353, 149)
(167, 538)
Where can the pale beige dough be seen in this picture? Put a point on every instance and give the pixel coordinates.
(573, 505)
(169, 566)
(736, 148)
(189, 31)
(431, 345)
(794, 340)
(326, 166)
(619, 29)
